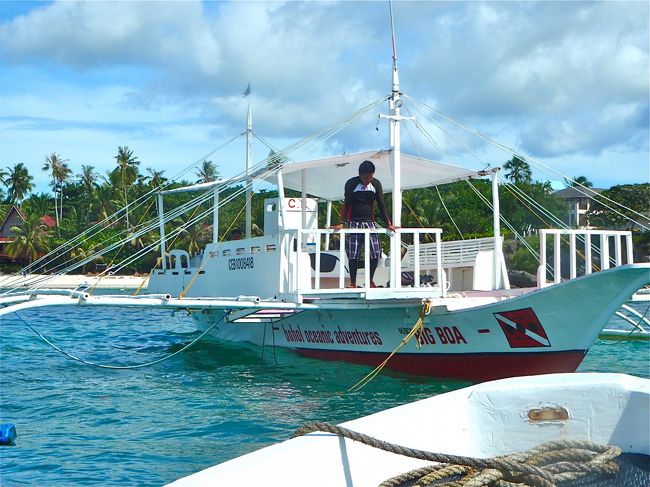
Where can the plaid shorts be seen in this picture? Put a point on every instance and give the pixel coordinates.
(354, 242)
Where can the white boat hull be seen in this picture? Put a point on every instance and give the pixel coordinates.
(485, 420)
(545, 331)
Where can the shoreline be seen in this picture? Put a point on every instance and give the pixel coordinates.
(72, 281)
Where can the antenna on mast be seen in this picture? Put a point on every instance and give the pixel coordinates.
(392, 30)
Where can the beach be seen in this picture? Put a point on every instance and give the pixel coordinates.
(72, 281)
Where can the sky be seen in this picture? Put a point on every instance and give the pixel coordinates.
(564, 83)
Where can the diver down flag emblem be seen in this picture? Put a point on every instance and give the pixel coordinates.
(522, 328)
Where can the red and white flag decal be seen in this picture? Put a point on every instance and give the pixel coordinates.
(522, 328)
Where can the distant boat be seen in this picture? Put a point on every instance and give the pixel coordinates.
(482, 421)
(635, 326)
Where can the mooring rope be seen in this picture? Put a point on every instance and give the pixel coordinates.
(417, 329)
(121, 367)
(544, 466)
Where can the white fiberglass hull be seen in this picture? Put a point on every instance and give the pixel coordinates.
(485, 420)
(545, 331)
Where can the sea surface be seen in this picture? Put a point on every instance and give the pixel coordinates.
(83, 425)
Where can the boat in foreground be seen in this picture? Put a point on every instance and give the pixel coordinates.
(482, 421)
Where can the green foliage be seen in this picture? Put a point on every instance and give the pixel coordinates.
(18, 182)
(521, 259)
(88, 199)
(518, 170)
(633, 196)
(32, 239)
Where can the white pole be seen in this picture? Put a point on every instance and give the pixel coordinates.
(328, 223)
(249, 163)
(617, 249)
(572, 256)
(303, 198)
(604, 251)
(588, 263)
(215, 217)
(497, 229)
(161, 224)
(281, 199)
(557, 261)
(628, 248)
(541, 281)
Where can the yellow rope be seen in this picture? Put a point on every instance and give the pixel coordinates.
(190, 284)
(417, 328)
(137, 291)
(234, 220)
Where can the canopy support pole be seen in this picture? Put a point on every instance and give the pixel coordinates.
(497, 229)
(215, 217)
(328, 223)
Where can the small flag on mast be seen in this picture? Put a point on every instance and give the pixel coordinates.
(248, 90)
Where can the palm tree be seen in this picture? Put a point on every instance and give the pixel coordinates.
(127, 167)
(107, 202)
(88, 179)
(519, 170)
(19, 183)
(155, 178)
(37, 204)
(578, 181)
(32, 239)
(208, 172)
(60, 172)
(3, 175)
(193, 238)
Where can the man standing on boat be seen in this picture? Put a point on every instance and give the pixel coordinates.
(361, 193)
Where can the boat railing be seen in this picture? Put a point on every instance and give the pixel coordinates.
(298, 265)
(588, 251)
(455, 253)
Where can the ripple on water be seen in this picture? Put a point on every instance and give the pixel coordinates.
(79, 425)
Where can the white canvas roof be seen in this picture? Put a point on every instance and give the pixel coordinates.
(325, 178)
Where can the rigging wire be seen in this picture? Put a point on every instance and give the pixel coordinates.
(303, 144)
(510, 150)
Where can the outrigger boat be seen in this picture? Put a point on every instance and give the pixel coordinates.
(288, 288)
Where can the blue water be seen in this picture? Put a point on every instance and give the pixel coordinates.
(79, 425)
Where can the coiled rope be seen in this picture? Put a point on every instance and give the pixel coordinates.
(545, 466)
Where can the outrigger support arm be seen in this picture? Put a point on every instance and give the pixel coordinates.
(25, 301)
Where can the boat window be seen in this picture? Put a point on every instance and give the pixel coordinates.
(240, 250)
(270, 248)
(255, 249)
(226, 252)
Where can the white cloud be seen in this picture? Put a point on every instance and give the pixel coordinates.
(85, 35)
(560, 79)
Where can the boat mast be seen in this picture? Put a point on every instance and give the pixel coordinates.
(394, 117)
(249, 161)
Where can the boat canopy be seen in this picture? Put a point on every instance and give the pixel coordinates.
(325, 178)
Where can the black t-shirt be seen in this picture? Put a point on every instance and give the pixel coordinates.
(360, 201)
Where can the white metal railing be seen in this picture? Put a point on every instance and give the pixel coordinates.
(293, 264)
(586, 254)
(455, 253)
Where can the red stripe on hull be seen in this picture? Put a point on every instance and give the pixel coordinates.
(472, 367)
